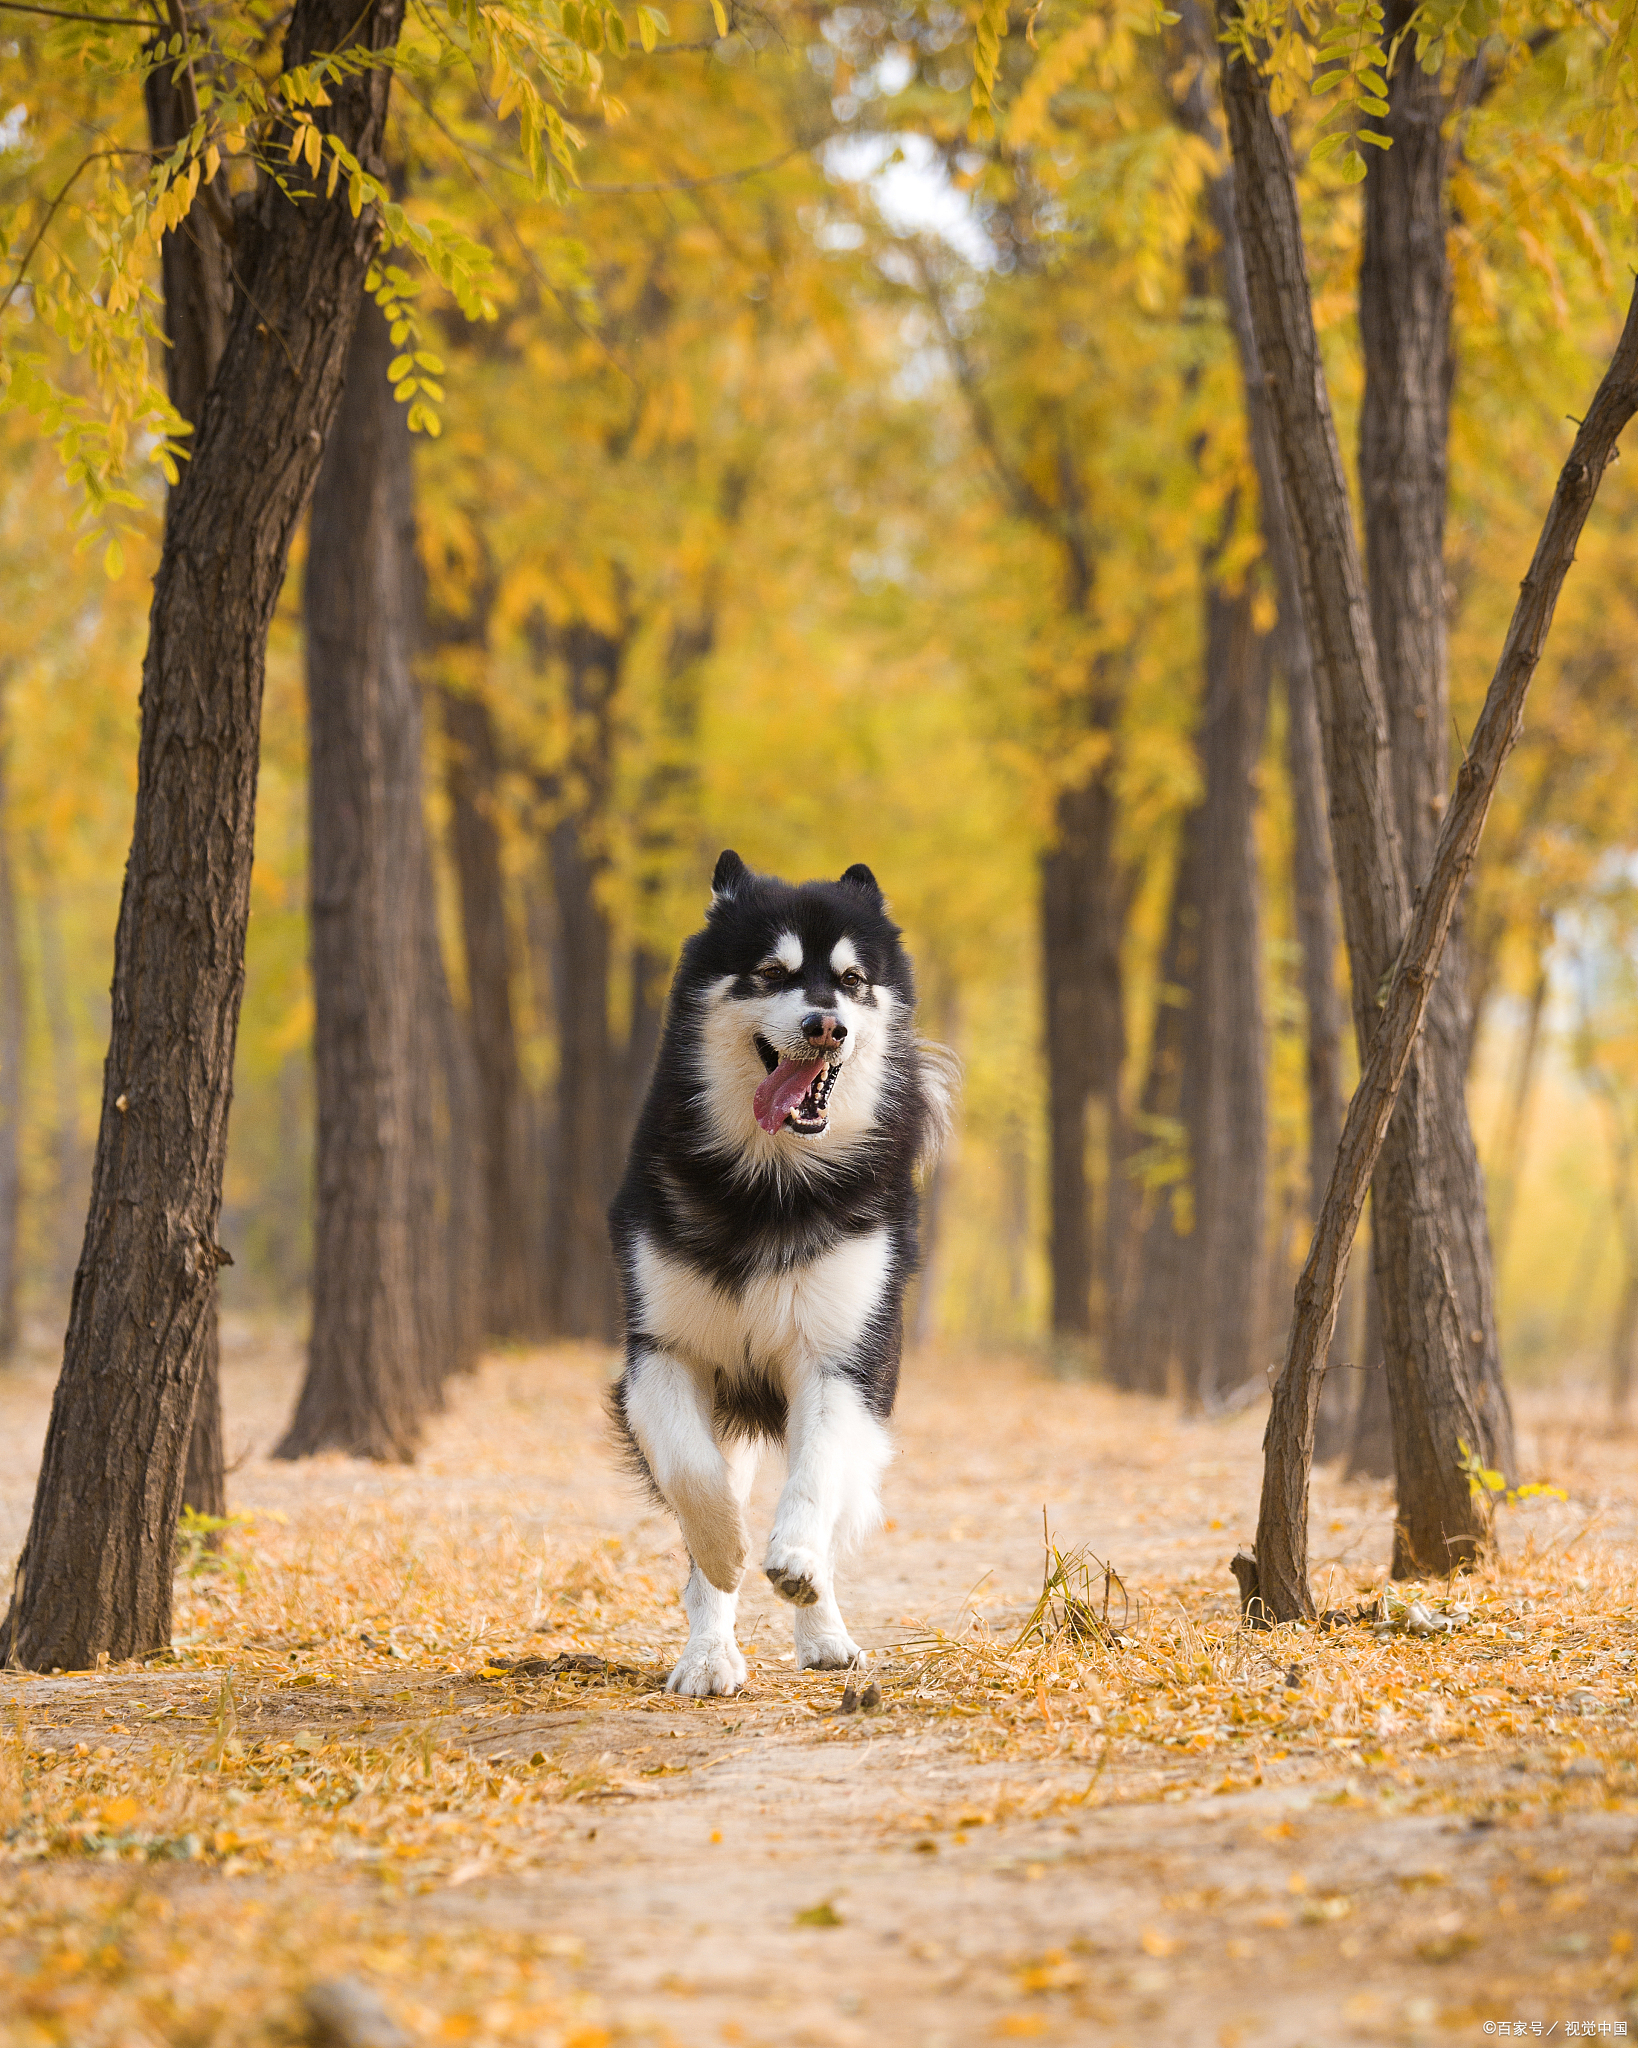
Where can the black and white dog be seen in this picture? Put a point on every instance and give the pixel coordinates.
(764, 1232)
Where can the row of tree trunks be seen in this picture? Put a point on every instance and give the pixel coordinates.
(95, 1572)
(380, 1345)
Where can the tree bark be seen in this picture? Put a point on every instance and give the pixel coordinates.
(1430, 1231)
(95, 1573)
(1345, 658)
(589, 1091)
(511, 1285)
(370, 1379)
(197, 284)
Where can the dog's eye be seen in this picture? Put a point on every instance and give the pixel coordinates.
(772, 970)
(853, 981)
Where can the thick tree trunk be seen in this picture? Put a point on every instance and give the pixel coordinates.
(11, 1072)
(1082, 913)
(1228, 1135)
(95, 1573)
(370, 1379)
(1430, 1229)
(198, 293)
(589, 1087)
(511, 1286)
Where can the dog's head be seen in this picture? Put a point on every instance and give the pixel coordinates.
(800, 992)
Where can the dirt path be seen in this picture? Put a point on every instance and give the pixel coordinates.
(1192, 1836)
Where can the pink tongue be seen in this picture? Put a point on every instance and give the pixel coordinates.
(783, 1090)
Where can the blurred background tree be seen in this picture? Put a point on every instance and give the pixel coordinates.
(850, 473)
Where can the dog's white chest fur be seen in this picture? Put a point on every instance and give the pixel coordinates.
(815, 1311)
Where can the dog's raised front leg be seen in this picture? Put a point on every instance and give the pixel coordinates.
(831, 1499)
(669, 1415)
(713, 1662)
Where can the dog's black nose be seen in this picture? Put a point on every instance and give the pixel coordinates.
(823, 1028)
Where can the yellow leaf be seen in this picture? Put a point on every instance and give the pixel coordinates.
(119, 1813)
(114, 562)
(721, 14)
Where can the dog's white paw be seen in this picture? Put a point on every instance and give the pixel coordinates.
(707, 1668)
(824, 1650)
(794, 1572)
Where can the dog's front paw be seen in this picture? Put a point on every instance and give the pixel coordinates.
(793, 1572)
(707, 1668)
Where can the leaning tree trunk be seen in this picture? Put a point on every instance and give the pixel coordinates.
(511, 1289)
(197, 281)
(370, 1379)
(1423, 1247)
(95, 1573)
(1389, 941)
(580, 1268)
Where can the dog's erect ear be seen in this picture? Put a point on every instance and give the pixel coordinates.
(726, 878)
(859, 877)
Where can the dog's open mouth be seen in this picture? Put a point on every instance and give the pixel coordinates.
(796, 1092)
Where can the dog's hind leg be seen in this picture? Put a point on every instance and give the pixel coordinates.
(831, 1499)
(713, 1662)
(668, 1414)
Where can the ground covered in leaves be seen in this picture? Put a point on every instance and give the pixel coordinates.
(412, 1740)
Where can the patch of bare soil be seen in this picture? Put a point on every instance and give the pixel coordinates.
(413, 1737)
